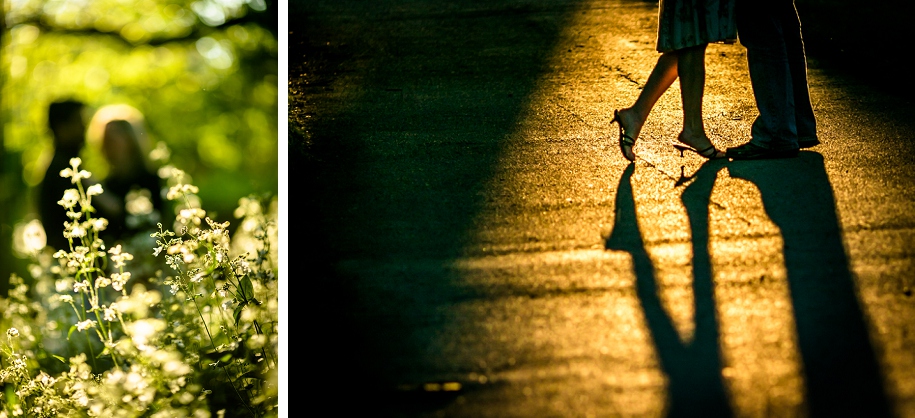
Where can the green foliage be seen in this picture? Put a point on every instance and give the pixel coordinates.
(199, 339)
(203, 72)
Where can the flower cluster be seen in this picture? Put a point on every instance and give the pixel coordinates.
(199, 339)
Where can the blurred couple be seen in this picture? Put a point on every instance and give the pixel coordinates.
(132, 199)
(771, 32)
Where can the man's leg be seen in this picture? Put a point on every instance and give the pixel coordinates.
(797, 61)
(774, 132)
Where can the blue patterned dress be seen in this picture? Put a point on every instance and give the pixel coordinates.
(686, 23)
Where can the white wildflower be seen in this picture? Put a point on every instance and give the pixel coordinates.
(74, 230)
(118, 256)
(110, 314)
(94, 190)
(143, 332)
(99, 224)
(138, 202)
(102, 282)
(84, 325)
(80, 286)
(74, 172)
(70, 199)
(118, 280)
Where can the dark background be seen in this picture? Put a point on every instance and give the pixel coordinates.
(865, 39)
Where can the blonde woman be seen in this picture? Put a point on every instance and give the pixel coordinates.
(119, 132)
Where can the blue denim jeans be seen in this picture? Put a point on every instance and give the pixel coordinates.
(771, 32)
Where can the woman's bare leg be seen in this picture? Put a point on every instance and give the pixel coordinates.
(691, 68)
(661, 78)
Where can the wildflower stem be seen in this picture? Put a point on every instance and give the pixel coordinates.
(213, 344)
(85, 317)
(91, 351)
(257, 328)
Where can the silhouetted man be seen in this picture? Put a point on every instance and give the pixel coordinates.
(771, 32)
(67, 125)
(66, 120)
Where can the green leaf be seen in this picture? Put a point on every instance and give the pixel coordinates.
(62, 360)
(246, 289)
(11, 398)
(69, 333)
(237, 313)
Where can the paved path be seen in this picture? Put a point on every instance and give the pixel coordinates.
(483, 249)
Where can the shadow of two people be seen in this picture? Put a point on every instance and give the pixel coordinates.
(841, 373)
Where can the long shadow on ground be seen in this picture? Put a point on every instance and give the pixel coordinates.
(840, 368)
(842, 375)
(397, 113)
(693, 369)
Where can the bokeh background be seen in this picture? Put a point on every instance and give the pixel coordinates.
(203, 72)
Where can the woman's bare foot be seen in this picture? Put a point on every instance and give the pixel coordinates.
(630, 125)
(700, 144)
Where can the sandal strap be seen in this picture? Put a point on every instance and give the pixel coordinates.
(704, 152)
(627, 140)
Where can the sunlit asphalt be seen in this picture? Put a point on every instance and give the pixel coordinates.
(480, 248)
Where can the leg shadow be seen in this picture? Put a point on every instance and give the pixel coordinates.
(842, 375)
(695, 386)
